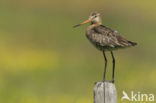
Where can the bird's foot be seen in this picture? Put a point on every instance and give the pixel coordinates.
(110, 81)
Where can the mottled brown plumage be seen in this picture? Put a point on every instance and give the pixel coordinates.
(105, 38)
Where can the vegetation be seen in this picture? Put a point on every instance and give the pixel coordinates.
(44, 60)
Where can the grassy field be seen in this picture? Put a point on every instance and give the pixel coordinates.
(44, 60)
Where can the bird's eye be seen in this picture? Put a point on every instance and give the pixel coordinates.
(93, 16)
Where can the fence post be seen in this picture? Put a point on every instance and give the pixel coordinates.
(105, 92)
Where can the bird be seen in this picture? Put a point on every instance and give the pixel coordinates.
(105, 39)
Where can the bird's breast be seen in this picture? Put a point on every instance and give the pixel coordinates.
(89, 31)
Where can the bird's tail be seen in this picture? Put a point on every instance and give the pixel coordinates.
(132, 43)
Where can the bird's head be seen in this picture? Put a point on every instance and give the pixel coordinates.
(94, 18)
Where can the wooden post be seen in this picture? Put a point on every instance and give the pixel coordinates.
(105, 92)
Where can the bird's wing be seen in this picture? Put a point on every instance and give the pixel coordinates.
(108, 37)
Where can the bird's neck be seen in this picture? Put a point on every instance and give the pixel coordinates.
(92, 25)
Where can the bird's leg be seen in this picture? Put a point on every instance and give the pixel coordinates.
(113, 61)
(105, 67)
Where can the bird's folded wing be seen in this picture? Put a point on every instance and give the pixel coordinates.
(107, 37)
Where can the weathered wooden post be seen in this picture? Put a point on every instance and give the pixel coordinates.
(105, 92)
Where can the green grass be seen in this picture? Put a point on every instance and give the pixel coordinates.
(44, 60)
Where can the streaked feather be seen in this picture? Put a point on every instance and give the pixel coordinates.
(104, 38)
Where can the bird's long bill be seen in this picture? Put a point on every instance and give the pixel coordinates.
(87, 21)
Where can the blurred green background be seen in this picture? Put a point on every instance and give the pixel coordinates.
(44, 60)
